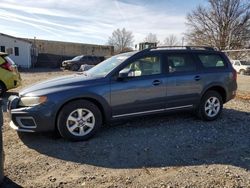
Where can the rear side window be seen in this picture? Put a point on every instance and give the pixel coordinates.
(212, 61)
(181, 63)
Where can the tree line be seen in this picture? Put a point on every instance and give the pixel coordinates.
(224, 24)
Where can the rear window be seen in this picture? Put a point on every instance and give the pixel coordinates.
(212, 61)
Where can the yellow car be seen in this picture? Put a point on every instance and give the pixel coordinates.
(9, 75)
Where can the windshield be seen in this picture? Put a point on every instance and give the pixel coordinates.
(105, 67)
(245, 62)
(77, 58)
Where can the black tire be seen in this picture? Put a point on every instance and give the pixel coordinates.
(66, 112)
(201, 110)
(2, 89)
(74, 67)
(242, 72)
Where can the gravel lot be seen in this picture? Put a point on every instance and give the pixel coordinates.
(174, 150)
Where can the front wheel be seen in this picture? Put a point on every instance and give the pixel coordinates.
(210, 106)
(79, 120)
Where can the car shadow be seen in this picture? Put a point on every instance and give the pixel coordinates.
(8, 183)
(157, 141)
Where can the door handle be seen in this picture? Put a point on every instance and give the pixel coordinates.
(197, 78)
(156, 82)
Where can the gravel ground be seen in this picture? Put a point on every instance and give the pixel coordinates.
(244, 83)
(167, 150)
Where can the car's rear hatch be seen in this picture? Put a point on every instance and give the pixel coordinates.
(8, 64)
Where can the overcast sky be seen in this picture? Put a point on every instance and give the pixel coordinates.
(92, 21)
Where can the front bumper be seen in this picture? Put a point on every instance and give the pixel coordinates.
(66, 66)
(39, 118)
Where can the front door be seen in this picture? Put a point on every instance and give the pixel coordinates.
(142, 91)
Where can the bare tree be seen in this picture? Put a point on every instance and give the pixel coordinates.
(224, 24)
(171, 40)
(151, 38)
(121, 39)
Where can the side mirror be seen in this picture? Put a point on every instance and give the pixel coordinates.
(124, 73)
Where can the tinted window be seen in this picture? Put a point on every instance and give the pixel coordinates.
(145, 66)
(212, 61)
(85, 58)
(181, 63)
(94, 59)
(77, 58)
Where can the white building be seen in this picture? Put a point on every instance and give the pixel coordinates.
(19, 50)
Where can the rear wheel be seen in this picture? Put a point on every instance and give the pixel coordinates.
(210, 106)
(79, 120)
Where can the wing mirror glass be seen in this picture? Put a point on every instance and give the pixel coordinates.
(124, 73)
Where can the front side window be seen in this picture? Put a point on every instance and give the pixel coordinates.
(181, 63)
(145, 66)
(212, 61)
(77, 58)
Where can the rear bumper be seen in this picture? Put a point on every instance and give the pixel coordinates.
(231, 95)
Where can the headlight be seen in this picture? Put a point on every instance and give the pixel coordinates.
(32, 101)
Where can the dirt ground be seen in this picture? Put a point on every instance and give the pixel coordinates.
(175, 150)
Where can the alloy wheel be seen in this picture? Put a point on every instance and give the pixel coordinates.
(80, 122)
(212, 106)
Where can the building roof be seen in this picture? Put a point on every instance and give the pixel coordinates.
(16, 38)
(66, 42)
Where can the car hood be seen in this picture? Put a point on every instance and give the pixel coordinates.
(69, 61)
(58, 84)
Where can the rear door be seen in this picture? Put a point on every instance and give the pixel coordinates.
(184, 80)
(143, 91)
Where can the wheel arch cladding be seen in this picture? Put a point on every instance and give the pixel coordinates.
(94, 101)
(220, 90)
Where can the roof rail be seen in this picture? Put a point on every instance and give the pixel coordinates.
(184, 47)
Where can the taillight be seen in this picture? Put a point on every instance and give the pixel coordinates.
(7, 66)
(234, 75)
